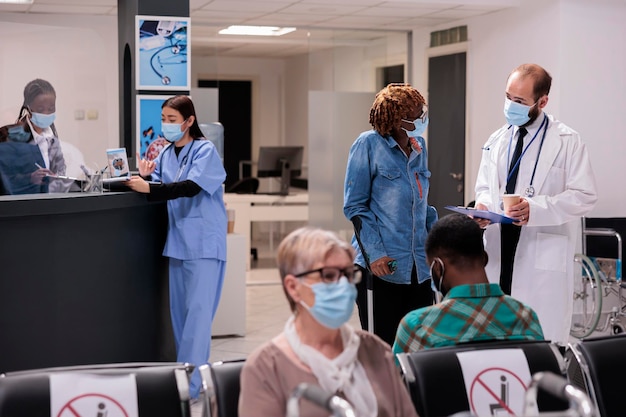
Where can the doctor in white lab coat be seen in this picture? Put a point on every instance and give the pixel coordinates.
(557, 187)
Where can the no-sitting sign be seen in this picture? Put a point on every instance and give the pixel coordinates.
(93, 395)
(495, 381)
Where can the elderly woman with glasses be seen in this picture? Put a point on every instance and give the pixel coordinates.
(317, 345)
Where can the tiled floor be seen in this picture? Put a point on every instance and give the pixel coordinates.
(266, 313)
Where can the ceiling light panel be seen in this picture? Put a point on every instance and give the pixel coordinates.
(108, 3)
(247, 6)
(256, 30)
(64, 9)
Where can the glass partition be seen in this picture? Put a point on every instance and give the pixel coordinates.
(313, 91)
(343, 80)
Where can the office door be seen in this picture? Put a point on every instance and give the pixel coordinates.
(446, 131)
(235, 114)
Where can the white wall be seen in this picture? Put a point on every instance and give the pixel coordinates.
(340, 69)
(593, 91)
(344, 116)
(267, 85)
(582, 45)
(296, 95)
(78, 56)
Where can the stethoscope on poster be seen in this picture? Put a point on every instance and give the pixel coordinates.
(174, 53)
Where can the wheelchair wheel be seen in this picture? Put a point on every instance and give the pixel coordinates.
(587, 297)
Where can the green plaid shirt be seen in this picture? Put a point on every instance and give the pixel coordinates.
(467, 313)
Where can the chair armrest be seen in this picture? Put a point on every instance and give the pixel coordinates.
(405, 367)
(209, 389)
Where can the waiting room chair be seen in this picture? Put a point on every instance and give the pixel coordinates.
(596, 365)
(435, 381)
(221, 384)
(162, 388)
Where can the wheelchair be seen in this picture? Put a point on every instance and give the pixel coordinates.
(599, 301)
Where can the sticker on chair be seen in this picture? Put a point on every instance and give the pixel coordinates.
(82, 395)
(495, 381)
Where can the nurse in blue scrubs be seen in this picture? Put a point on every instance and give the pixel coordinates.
(191, 174)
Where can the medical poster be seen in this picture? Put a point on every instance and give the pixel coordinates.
(162, 58)
(150, 140)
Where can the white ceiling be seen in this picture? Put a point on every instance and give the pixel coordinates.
(319, 22)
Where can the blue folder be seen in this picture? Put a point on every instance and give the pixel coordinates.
(482, 214)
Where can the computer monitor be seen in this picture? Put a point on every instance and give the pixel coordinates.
(282, 162)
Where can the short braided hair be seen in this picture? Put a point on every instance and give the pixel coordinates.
(32, 90)
(36, 88)
(392, 104)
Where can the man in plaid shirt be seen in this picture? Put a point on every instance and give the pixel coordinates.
(472, 309)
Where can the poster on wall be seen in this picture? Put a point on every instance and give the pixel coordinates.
(162, 53)
(150, 140)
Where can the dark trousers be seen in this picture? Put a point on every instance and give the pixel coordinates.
(391, 303)
(509, 237)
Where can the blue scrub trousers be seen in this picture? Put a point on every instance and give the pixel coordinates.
(195, 289)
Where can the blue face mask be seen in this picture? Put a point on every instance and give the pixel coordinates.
(420, 127)
(171, 131)
(18, 134)
(515, 113)
(41, 120)
(333, 303)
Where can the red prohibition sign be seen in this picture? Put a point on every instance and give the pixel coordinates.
(477, 380)
(72, 410)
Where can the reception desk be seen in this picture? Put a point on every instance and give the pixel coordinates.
(82, 280)
(265, 207)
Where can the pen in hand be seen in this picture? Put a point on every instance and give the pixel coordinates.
(48, 172)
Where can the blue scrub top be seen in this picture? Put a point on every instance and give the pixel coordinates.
(197, 225)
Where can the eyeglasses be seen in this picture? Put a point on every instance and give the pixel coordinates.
(421, 117)
(330, 274)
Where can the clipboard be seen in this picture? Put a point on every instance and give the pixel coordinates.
(482, 214)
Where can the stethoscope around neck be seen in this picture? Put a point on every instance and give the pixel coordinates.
(183, 162)
(530, 190)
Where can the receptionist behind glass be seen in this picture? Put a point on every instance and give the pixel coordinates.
(19, 161)
(34, 127)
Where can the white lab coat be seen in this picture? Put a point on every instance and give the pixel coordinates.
(543, 271)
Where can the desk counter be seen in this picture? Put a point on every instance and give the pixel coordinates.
(82, 280)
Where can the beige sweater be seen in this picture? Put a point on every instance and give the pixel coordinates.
(269, 376)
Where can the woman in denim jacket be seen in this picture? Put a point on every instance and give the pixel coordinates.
(386, 198)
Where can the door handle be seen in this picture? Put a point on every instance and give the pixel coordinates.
(457, 176)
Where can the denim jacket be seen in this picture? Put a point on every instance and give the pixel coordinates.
(389, 192)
